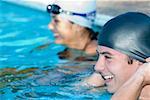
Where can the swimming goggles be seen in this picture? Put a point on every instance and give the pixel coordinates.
(55, 9)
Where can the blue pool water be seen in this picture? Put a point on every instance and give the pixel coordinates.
(21, 31)
(29, 65)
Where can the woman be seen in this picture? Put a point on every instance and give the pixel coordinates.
(72, 23)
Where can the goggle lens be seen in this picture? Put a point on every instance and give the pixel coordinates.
(55, 9)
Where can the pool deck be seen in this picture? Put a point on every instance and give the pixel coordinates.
(106, 9)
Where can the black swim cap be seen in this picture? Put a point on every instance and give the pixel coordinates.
(128, 33)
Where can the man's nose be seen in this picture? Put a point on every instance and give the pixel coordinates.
(100, 64)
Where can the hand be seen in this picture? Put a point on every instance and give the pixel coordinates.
(147, 74)
(145, 71)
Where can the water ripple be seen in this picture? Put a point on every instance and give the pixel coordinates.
(9, 35)
(25, 42)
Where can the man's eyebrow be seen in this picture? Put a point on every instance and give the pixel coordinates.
(103, 53)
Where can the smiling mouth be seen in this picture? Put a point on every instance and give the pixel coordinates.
(107, 78)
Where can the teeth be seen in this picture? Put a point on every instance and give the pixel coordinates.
(108, 77)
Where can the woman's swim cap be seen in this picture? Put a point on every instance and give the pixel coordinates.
(81, 7)
(128, 33)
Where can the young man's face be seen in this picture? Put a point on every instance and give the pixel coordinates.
(114, 67)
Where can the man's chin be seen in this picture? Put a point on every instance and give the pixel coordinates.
(111, 90)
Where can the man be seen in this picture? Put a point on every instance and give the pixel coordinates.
(123, 47)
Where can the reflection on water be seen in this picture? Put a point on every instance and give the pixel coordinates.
(29, 65)
(48, 82)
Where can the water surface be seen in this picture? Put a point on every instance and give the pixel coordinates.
(30, 66)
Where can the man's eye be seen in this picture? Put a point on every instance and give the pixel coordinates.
(108, 57)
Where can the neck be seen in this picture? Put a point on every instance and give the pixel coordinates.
(91, 47)
(79, 44)
(87, 45)
(145, 93)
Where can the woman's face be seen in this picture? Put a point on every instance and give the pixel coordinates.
(63, 30)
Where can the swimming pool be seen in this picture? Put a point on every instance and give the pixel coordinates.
(30, 67)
